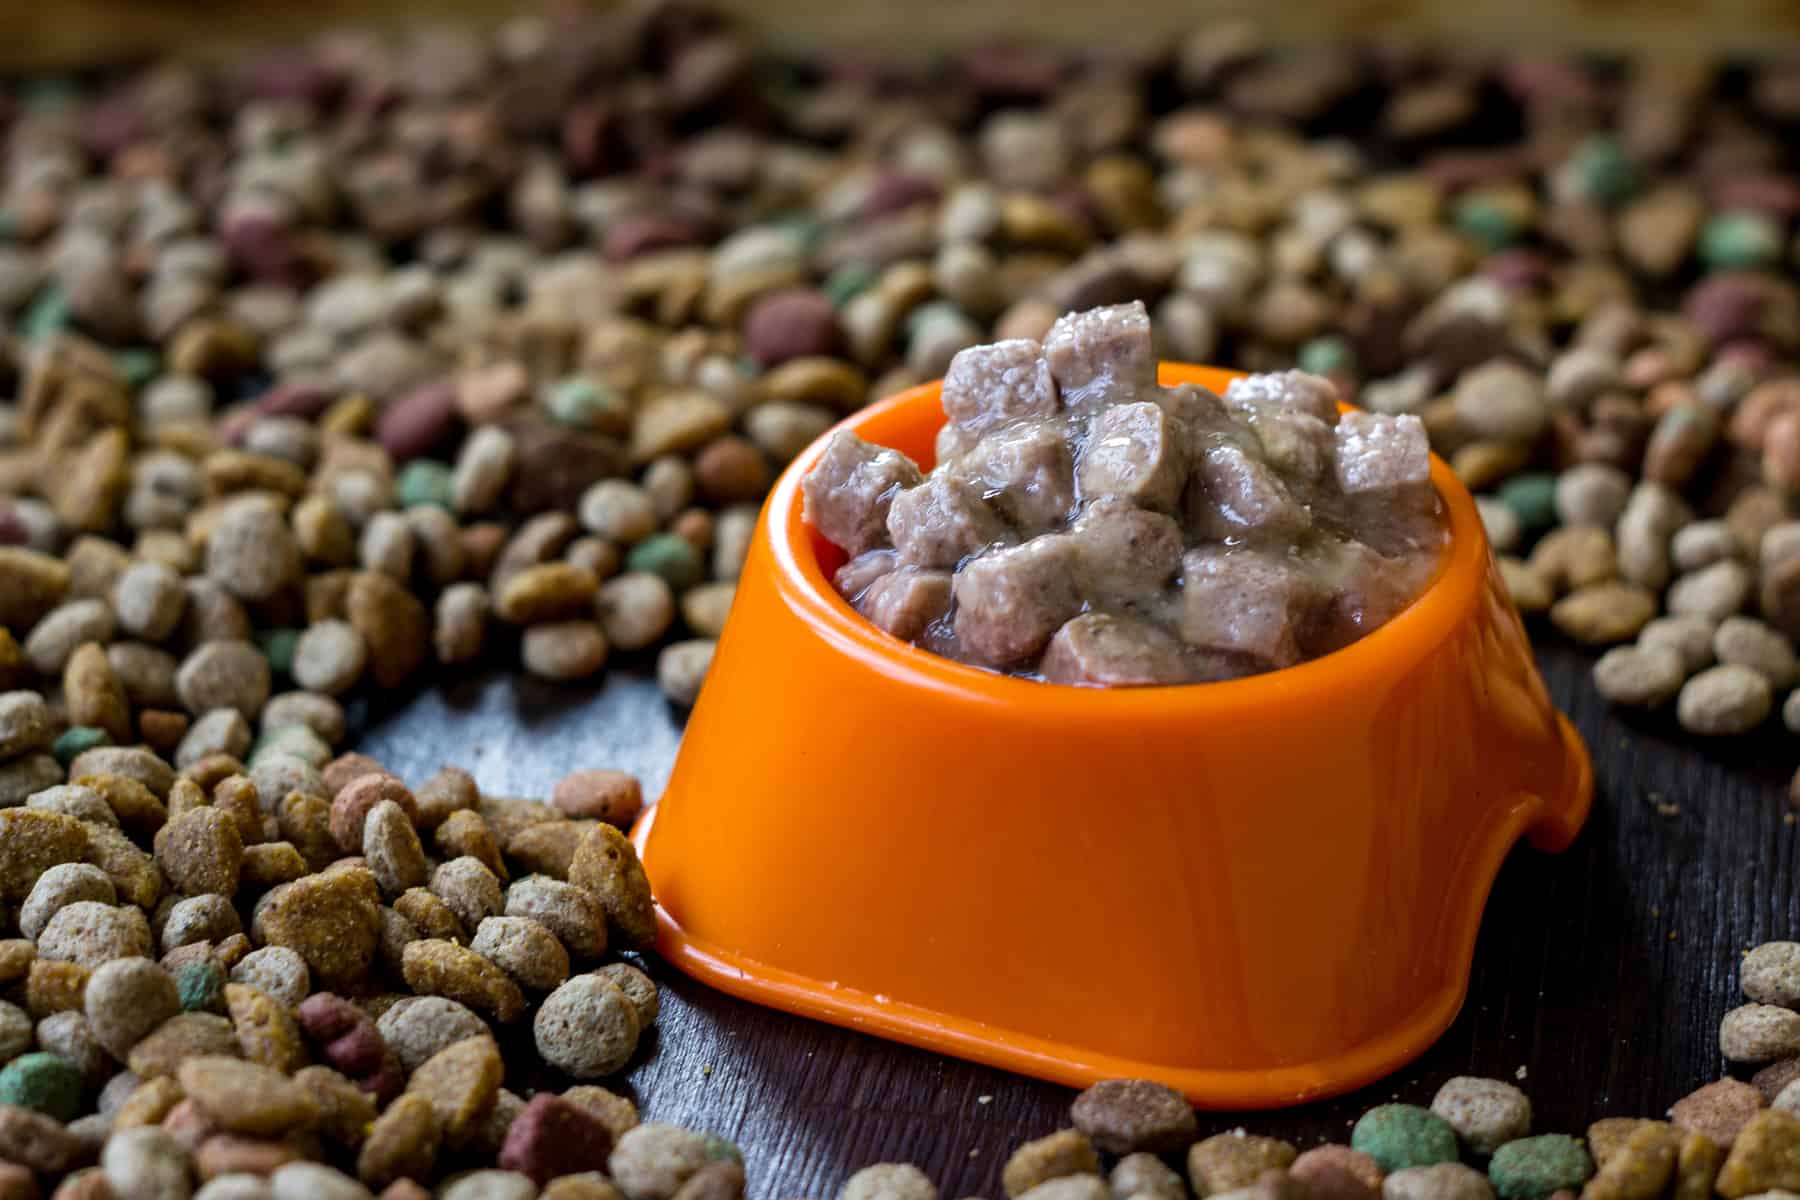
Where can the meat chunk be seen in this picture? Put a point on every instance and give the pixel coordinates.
(987, 386)
(1028, 472)
(907, 601)
(941, 522)
(848, 493)
(1295, 443)
(1284, 391)
(1196, 409)
(854, 577)
(1134, 451)
(950, 444)
(1103, 650)
(1009, 602)
(1238, 494)
(1098, 354)
(1379, 453)
(1127, 553)
(1366, 589)
(1247, 602)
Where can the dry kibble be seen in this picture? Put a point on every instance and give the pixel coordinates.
(587, 1028)
(1690, 637)
(460, 1083)
(329, 658)
(524, 949)
(1603, 613)
(1724, 700)
(1485, 1113)
(433, 966)
(1759, 1033)
(638, 988)
(1067, 1152)
(1123, 1116)
(606, 865)
(1747, 642)
(889, 1181)
(1639, 676)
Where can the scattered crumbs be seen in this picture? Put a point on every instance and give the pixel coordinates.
(1520, 1073)
(1673, 936)
(984, 1099)
(1654, 797)
(1787, 818)
(1656, 910)
(975, 1153)
(1668, 810)
(707, 1069)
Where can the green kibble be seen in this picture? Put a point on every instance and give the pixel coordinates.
(277, 646)
(201, 986)
(424, 481)
(1538, 1166)
(1326, 356)
(669, 555)
(49, 93)
(720, 1150)
(1532, 497)
(138, 364)
(75, 740)
(583, 403)
(1605, 171)
(47, 316)
(1487, 222)
(1740, 239)
(1404, 1135)
(805, 229)
(44, 1083)
(849, 281)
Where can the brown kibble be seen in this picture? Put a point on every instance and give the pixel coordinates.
(227, 1154)
(34, 584)
(607, 865)
(546, 592)
(31, 842)
(266, 1031)
(134, 874)
(332, 920)
(92, 690)
(402, 1143)
(270, 864)
(601, 795)
(247, 1097)
(430, 915)
(345, 1110)
(201, 851)
(180, 1038)
(391, 847)
(548, 847)
(612, 1110)
(392, 621)
(353, 802)
(1122, 1116)
(305, 821)
(466, 833)
(450, 789)
(435, 967)
(1640, 1168)
(461, 1083)
(136, 806)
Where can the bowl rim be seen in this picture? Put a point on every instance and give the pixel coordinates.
(1404, 639)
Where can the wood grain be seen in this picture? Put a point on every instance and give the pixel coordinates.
(1599, 977)
(67, 33)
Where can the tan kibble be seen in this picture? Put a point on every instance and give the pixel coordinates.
(430, 915)
(524, 949)
(1606, 1136)
(1228, 1161)
(392, 622)
(1641, 1167)
(588, 1028)
(53, 987)
(266, 1030)
(391, 847)
(436, 967)
(333, 921)
(548, 848)
(345, 1110)
(148, 1103)
(469, 888)
(94, 694)
(1603, 613)
(889, 1181)
(137, 807)
(180, 1038)
(564, 650)
(460, 1083)
(1066, 1152)
(247, 1097)
(1696, 1167)
(638, 988)
(31, 842)
(1765, 1157)
(134, 874)
(546, 592)
(449, 789)
(612, 1110)
(402, 1143)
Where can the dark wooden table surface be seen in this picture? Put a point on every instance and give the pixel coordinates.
(1600, 975)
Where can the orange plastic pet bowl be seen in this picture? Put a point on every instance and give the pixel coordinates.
(1259, 892)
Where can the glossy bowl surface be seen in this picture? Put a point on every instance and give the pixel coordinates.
(1260, 892)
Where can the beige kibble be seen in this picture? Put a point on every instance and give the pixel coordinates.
(329, 657)
(433, 966)
(563, 650)
(276, 971)
(1758, 1033)
(127, 999)
(224, 675)
(250, 551)
(91, 933)
(637, 986)
(461, 626)
(56, 637)
(1066, 1152)
(1228, 1161)
(587, 1028)
(1639, 676)
(889, 1181)
(651, 1161)
(1444, 1181)
(1771, 974)
(524, 949)
(417, 1027)
(573, 914)
(1724, 700)
(1486, 1113)
(469, 888)
(635, 609)
(391, 847)
(62, 885)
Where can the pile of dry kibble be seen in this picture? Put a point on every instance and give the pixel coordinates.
(348, 357)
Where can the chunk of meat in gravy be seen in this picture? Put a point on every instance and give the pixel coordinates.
(1126, 553)
(951, 443)
(1235, 494)
(941, 522)
(1283, 391)
(854, 577)
(848, 493)
(1102, 650)
(1134, 451)
(987, 386)
(1028, 474)
(1247, 602)
(1009, 602)
(907, 601)
(1197, 410)
(1384, 471)
(1296, 444)
(1101, 354)
(1366, 589)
